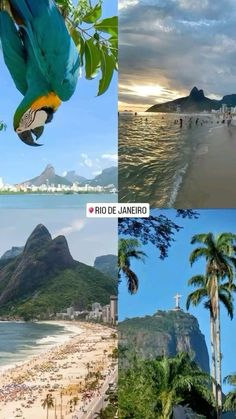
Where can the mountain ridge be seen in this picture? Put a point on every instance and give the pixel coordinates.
(48, 176)
(196, 101)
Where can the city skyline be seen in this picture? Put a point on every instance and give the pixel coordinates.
(80, 138)
(168, 47)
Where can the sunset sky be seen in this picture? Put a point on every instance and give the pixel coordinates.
(169, 46)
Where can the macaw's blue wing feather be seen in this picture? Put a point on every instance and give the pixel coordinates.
(53, 47)
(13, 51)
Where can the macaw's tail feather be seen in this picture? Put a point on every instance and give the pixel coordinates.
(13, 51)
(54, 50)
(26, 10)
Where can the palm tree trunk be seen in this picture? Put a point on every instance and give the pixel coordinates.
(213, 358)
(218, 354)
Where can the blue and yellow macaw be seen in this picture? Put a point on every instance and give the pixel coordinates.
(43, 62)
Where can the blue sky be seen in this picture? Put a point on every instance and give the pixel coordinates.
(82, 136)
(87, 237)
(161, 280)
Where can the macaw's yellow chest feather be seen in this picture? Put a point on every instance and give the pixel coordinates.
(49, 101)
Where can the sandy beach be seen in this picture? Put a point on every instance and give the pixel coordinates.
(210, 179)
(72, 373)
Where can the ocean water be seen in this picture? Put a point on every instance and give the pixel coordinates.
(34, 201)
(154, 154)
(20, 341)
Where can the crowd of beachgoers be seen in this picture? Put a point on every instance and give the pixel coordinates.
(65, 378)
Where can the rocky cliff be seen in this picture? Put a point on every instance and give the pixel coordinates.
(166, 332)
(107, 264)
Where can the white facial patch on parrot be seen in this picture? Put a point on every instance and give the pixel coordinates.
(32, 119)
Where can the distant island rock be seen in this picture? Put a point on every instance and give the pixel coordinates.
(166, 332)
(195, 102)
(107, 264)
(45, 279)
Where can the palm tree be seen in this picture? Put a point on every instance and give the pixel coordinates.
(128, 249)
(230, 400)
(219, 253)
(48, 403)
(177, 377)
(225, 297)
(159, 385)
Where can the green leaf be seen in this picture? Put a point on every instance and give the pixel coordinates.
(75, 35)
(108, 25)
(107, 67)
(93, 15)
(113, 41)
(79, 42)
(3, 126)
(92, 59)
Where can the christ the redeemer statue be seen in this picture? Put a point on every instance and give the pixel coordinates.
(177, 299)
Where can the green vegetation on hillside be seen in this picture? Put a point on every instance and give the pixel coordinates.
(80, 286)
(44, 279)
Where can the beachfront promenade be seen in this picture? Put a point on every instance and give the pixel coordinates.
(100, 401)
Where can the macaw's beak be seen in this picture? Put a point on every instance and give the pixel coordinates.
(38, 132)
(27, 136)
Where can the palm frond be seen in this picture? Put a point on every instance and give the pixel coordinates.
(199, 252)
(195, 297)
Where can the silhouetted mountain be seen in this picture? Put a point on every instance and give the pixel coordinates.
(166, 332)
(45, 279)
(107, 264)
(195, 102)
(47, 177)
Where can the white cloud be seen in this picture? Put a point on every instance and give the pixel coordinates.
(86, 160)
(123, 4)
(110, 157)
(76, 225)
(96, 173)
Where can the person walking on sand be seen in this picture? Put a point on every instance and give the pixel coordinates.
(181, 122)
(229, 119)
